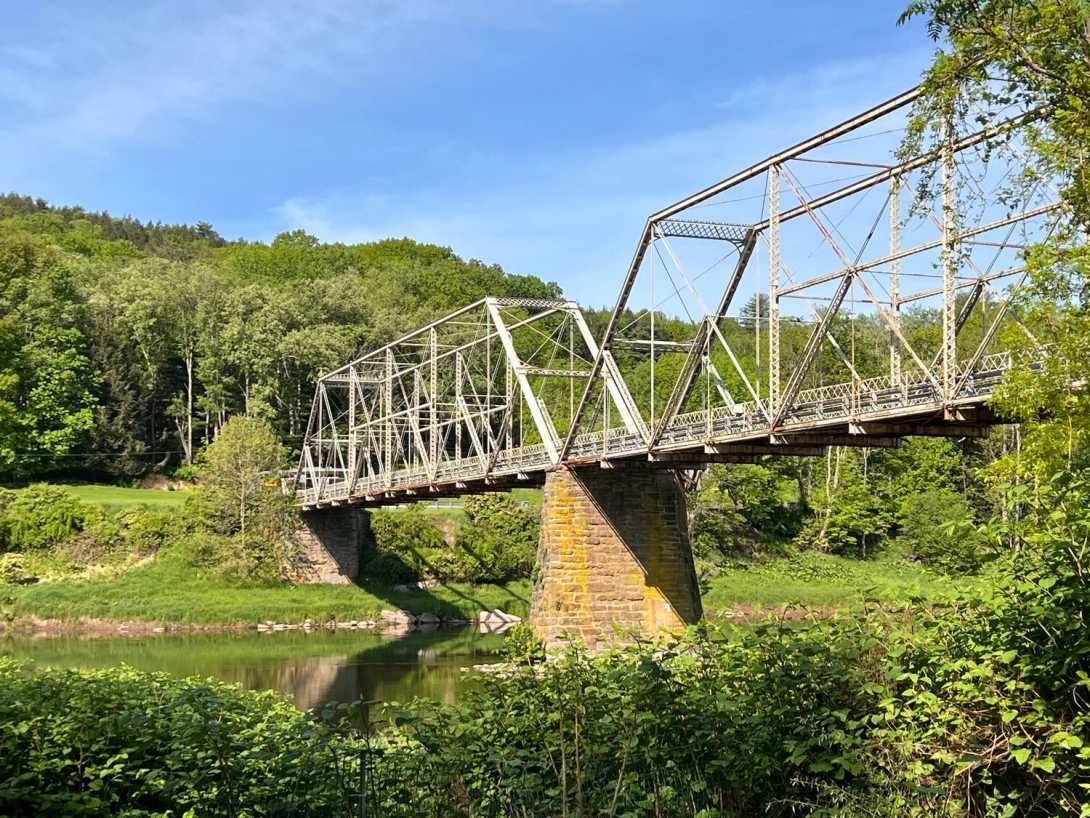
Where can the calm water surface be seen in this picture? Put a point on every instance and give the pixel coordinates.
(312, 668)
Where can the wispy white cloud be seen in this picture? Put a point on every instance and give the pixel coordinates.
(99, 79)
(575, 216)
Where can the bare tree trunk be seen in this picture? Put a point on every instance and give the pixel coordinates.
(189, 407)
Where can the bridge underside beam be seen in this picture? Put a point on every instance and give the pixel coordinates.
(864, 431)
(802, 449)
(873, 441)
(677, 462)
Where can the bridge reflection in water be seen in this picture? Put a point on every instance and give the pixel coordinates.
(313, 668)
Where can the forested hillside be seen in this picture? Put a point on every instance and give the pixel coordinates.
(124, 345)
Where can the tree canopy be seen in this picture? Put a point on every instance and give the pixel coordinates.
(125, 346)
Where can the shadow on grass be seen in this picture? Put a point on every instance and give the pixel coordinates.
(443, 600)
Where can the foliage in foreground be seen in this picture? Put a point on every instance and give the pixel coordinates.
(977, 707)
(122, 742)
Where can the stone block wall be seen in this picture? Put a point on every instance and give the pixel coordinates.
(614, 551)
(331, 541)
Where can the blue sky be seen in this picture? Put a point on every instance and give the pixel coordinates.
(534, 135)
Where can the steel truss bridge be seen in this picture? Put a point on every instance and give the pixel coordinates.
(829, 295)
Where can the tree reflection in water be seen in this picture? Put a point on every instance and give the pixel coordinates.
(313, 668)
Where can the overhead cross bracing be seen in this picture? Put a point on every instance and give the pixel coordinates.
(832, 294)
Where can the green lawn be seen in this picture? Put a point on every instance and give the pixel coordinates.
(818, 580)
(113, 498)
(168, 590)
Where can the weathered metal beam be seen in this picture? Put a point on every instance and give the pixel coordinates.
(681, 462)
(915, 249)
(807, 145)
(869, 441)
(917, 430)
(810, 450)
(897, 170)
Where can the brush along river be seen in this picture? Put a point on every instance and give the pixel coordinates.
(312, 668)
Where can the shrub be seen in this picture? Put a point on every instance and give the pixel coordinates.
(934, 525)
(411, 543)
(13, 568)
(148, 530)
(46, 516)
(390, 569)
(523, 646)
(122, 742)
(500, 542)
(7, 497)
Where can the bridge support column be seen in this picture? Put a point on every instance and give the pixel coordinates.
(614, 551)
(329, 545)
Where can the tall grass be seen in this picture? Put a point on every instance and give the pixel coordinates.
(818, 580)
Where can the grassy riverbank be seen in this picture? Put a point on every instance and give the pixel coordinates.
(120, 585)
(818, 580)
(169, 590)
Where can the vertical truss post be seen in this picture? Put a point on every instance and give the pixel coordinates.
(457, 403)
(320, 481)
(949, 271)
(433, 405)
(509, 395)
(388, 422)
(773, 291)
(895, 278)
(486, 418)
(353, 463)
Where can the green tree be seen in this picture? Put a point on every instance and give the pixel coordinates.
(1030, 57)
(239, 476)
(937, 526)
(851, 517)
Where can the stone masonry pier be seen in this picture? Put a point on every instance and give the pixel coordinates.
(330, 543)
(614, 552)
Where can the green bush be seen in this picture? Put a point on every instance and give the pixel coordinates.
(498, 543)
(7, 497)
(13, 568)
(972, 707)
(935, 526)
(406, 537)
(147, 530)
(390, 569)
(122, 742)
(46, 516)
(501, 537)
(523, 645)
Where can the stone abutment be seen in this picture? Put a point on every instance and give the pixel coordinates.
(330, 543)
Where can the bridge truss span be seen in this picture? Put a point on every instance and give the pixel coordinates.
(835, 293)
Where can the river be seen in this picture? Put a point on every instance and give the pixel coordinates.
(312, 668)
